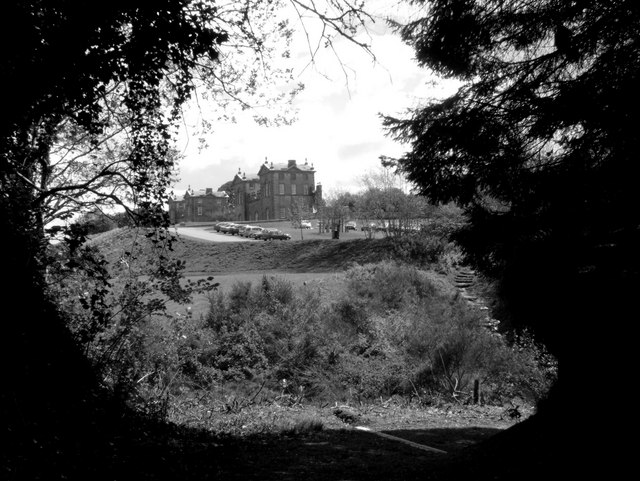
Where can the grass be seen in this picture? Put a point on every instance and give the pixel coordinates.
(267, 439)
(317, 260)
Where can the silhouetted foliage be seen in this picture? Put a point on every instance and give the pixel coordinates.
(539, 146)
(93, 97)
(60, 61)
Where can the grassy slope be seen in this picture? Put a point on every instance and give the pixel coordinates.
(313, 255)
(317, 259)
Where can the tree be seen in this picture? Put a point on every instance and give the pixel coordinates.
(59, 61)
(388, 201)
(336, 209)
(538, 146)
(298, 212)
(110, 80)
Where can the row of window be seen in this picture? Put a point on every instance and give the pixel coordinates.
(283, 213)
(281, 190)
(294, 189)
(281, 176)
(182, 205)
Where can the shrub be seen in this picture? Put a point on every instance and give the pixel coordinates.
(364, 376)
(389, 286)
(417, 248)
(528, 372)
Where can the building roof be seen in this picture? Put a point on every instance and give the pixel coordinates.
(287, 166)
(245, 178)
(242, 177)
(200, 193)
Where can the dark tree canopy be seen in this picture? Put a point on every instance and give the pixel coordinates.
(66, 62)
(539, 144)
(78, 75)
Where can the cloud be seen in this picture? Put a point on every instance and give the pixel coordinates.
(338, 126)
(359, 149)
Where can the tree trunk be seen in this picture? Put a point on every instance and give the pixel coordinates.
(49, 395)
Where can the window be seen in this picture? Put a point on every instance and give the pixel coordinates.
(281, 175)
(283, 212)
(305, 189)
(281, 189)
(293, 176)
(199, 210)
(293, 189)
(251, 185)
(305, 176)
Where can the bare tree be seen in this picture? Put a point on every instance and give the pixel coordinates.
(299, 212)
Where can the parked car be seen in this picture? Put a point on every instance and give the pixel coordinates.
(269, 234)
(229, 228)
(242, 229)
(253, 232)
(303, 224)
(218, 226)
(261, 235)
(250, 230)
(351, 225)
(372, 226)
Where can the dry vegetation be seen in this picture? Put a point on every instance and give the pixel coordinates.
(251, 425)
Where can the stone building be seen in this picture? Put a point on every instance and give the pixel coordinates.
(203, 205)
(270, 194)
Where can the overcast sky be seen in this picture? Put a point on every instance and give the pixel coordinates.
(337, 129)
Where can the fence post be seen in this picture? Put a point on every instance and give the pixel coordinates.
(476, 391)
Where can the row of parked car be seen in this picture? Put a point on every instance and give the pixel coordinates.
(250, 231)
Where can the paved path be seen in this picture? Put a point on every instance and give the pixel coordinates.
(203, 233)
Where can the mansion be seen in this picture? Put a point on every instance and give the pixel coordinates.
(269, 195)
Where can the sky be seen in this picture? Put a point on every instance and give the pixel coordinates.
(338, 128)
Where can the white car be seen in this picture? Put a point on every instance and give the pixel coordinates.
(253, 231)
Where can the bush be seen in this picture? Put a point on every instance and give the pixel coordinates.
(390, 286)
(392, 330)
(417, 248)
(365, 376)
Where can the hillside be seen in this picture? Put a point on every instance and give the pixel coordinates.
(315, 255)
(526, 451)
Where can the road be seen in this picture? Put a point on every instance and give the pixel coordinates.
(203, 233)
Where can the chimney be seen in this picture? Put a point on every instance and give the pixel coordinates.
(292, 163)
(209, 190)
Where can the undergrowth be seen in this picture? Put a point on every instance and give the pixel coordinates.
(396, 330)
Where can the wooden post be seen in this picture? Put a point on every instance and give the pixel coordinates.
(476, 391)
